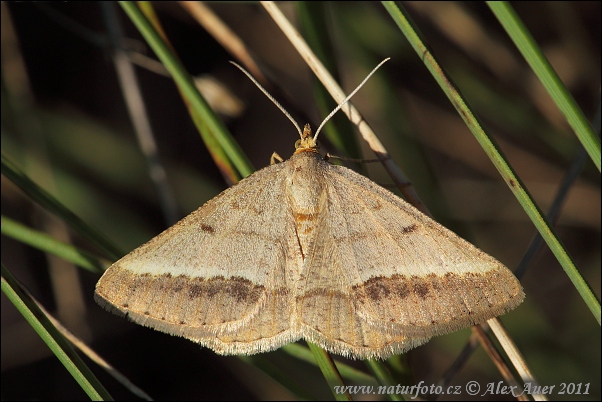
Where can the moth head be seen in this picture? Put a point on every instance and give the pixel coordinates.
(307, 141)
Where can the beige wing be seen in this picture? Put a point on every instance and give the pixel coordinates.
(384, 277)
(218, 277)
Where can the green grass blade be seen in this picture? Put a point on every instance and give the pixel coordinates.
(415, 38)
(186, 85)
(330, 372)
(547, 75)
(48, 244)
(50, 203)
(347, 372)
(278, 375)
(52, 337)
(208, 136)
(384, 378)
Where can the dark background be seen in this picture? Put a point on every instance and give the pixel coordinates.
(70, 131)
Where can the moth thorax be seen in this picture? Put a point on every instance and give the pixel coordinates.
(307, 194)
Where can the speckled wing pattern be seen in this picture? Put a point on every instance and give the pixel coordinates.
(220, 276)
(383, 278)
(305, 249)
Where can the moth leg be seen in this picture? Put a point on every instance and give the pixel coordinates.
(275, 158)
(343, 158)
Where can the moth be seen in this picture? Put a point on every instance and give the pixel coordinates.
(304, 249)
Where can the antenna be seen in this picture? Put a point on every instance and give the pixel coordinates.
(336, 109)
(270, 97)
